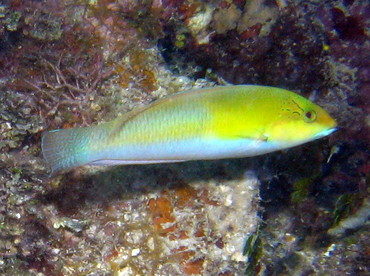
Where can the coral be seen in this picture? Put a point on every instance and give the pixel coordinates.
(70, 63)
(91, 69)
(42, 26)
(226, 19)
(356, 220)
(197, 25)
(191, 225)
(137, 70)
(258, 13)
(9, 19)
(132, 228)
(253, 44)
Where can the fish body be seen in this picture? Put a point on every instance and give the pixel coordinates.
(211, 123)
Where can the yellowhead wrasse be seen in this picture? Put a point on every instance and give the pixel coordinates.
(211, 123)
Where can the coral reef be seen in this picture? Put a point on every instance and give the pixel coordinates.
(121, 226)
(67, 63)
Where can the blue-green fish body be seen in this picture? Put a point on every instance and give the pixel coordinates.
(211, 123)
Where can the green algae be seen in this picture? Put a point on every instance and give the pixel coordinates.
(301, 189)
(253, 250)
(343, 207)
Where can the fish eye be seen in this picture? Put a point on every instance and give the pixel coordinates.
(310, 116)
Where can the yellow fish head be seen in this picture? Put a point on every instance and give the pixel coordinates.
(300, 120)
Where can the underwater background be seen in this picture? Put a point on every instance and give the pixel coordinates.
(303, 211)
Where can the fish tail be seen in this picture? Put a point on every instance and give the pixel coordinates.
(64, 149)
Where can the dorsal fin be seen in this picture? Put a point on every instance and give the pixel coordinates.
(122, 121)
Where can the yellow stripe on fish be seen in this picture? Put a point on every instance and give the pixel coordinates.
(211, 123)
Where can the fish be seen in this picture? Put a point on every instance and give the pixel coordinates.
(201, 124)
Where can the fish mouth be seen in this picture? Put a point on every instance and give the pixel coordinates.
(325, 132)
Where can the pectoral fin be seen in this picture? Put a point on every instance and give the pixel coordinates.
(260, 138)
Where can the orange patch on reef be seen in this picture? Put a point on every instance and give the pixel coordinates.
(200, 232)
(193, 267)
(188, 263)
(161, 208)
(138, 72)
(181, 235)
(205, 198)
(251, 32)
(188, 9)
(162, 212)
(185, 196)
(113, 254)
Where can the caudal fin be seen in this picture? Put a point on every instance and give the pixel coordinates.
(64, 149)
